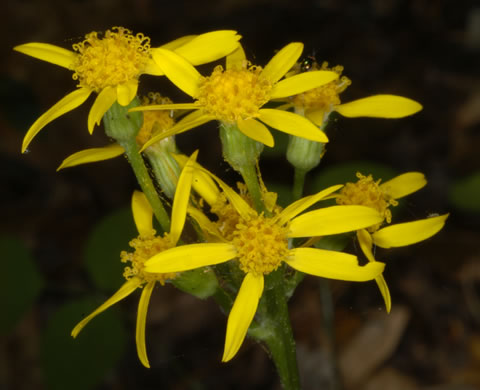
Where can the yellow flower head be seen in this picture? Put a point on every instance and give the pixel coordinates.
(110, 65)
(368, 192)
(238, 93)
(260, 245)
(154, 122)
(113, 59)
(234, 94)
(317, 104)
(325, 97)
(146, 245)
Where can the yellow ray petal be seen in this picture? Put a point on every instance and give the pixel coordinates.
(152, 68)
(366, 243)
(92, 155)
(302, 82)
(126, 92)
(178, 70)
(293, 124)
(333, 220)
(66, 104)
(332, 265)
(300, 205)
(316, 116)
(206, 188)
(202, 182)
(141, 323)
(142, 213)
(205, 224)
(155, 107)
(365, 240)
(236, 200)
(242, 313)
(383, 287)
(256, 131)
(408, 233)
(189, 122)
(181, 198)
(282, 62)
(49, 53)
(209, 47)
(236, 59)
(127, 288)
(186, 257)
(380, 106)
(176, 43)
(102, 104)
(404, 184)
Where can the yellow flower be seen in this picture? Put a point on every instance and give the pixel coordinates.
(260, 244)
(154, 122)
(111, 64)
(317, 104)
(380, 197)
(236, 95)
(146, 245)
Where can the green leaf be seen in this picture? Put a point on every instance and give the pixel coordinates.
(21, 282)
(102, 254)
(465, 193)
(81, 363)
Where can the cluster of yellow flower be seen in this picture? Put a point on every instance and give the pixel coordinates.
(246, 229)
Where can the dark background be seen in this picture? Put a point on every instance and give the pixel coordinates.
(426, 50)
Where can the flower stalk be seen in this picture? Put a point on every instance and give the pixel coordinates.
(123, 127)
(280, 341)
(242, 153)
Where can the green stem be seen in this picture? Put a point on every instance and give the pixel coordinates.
(145, 181)
(242, 153)
(249, 174)
(298, 183)
(123, 127)
(280, 341)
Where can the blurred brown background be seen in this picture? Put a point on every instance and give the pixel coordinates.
(426, 50)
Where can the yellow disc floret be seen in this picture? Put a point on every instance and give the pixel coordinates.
(234, 94)
(261, 245)
(367, 192)
(157, 121)
(325, 97)
(110, 60)
(146, 246)
(228, 217)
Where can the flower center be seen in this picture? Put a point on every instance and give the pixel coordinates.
(145, 246)
(234, 94)
(111, 60)
(154, 122)
(261, 245)
(326, 96)
(367, 192)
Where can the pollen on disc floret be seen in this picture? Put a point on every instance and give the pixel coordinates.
(261, 245)
(146, 246)
(157, 121)
(325, 96)
(234, 94)
(367, 192)
(110, 59)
